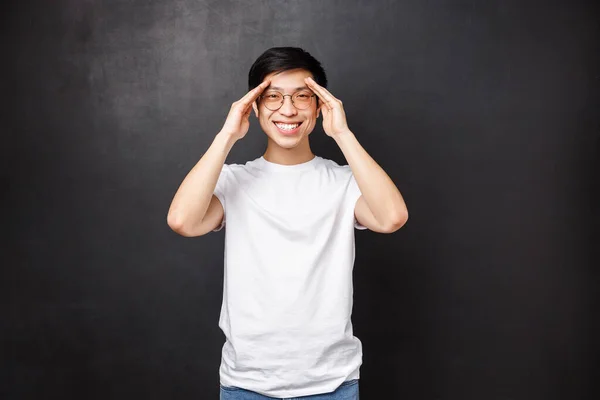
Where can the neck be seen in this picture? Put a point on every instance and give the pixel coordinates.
(296, 155)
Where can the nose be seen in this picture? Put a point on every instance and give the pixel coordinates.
(288, 108)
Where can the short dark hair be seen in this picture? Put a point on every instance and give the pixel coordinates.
(279, 59)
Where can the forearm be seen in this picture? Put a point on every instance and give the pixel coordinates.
(195, 192)
(377, 188)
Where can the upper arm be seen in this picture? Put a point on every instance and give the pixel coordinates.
(211, 221)
(365, 217)
(214, 216)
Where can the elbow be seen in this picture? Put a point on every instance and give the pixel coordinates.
(178, 225)
(397, 222)
(174, 221)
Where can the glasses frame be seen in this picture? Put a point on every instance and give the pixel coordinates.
(291, 96)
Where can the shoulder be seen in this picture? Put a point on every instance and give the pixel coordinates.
(340, 171)
(236, 168)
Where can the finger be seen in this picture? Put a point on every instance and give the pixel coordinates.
(254, 93)
(314, 84)
(245, 103)
(323, 93)
(246, 114)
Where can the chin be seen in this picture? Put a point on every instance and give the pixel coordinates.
(287, 143)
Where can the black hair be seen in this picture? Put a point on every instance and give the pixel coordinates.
(279, 59)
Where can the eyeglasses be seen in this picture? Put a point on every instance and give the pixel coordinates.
(273, 99)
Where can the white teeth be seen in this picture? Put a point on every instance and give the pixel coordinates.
(287, 127)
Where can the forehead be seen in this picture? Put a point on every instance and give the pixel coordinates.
(288, 80)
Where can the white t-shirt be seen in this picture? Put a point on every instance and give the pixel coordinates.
(287, 292)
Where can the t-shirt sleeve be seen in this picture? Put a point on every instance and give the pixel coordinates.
(221, 193)
(353, 196)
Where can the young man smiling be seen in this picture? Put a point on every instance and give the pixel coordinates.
(289, 240)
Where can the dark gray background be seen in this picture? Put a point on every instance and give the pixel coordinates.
(485, 114)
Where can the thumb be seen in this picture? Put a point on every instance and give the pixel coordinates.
(246, 113)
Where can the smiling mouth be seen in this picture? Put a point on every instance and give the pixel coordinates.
(287, 127)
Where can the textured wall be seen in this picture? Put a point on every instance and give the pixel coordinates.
(485, 114)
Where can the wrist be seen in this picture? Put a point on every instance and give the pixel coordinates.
(227, 136)
(227, 140)
(343, 135)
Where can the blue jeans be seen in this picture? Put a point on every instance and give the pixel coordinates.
(346, 391)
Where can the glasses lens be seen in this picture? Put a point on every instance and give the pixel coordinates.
(273, 100)
(302, 99)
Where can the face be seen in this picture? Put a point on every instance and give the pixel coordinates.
(287, 82)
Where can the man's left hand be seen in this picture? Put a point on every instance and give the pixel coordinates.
(334, 118)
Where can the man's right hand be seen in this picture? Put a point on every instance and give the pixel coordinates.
(237, 123)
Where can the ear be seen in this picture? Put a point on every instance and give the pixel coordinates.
(255, 109)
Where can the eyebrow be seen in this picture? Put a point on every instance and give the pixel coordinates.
(278, 88)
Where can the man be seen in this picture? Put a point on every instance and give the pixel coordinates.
(289, 239)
